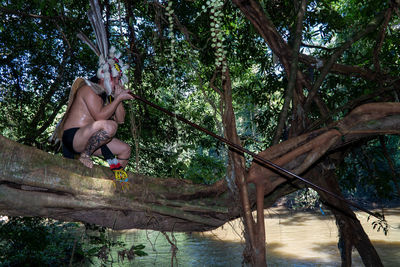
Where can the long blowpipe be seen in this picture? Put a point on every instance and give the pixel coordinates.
(259, 159)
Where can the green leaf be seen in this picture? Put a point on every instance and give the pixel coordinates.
(141, 246)
(140, 253)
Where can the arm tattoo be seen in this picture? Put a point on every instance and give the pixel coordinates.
(96, 141)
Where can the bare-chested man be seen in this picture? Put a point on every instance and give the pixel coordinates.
(90, 126)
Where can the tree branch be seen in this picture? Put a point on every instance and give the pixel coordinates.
(36, 183)
(372, 25)
(351, 105)
(293, 72)
(381, 37)
(299, 153)
(35, 16)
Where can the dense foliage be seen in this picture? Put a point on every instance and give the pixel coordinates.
(179, 57)
(39, 243)
(41, 56)
(36, 241)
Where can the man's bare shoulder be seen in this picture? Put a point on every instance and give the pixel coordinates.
(87, 93)
(86, 90)
(89, 97)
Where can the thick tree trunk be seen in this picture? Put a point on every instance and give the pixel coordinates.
(300, 154)
(254, 232)
(36, 183)
(351, 233)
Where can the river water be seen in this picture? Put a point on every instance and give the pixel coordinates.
(293, 239)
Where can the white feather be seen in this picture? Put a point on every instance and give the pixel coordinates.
(112, 51)
(101, 60)
(114, 71)
(100, 73)
(124, 68)
(111, 61)
(107, 83)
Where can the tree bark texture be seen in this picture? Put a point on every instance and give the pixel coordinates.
(254, 232)
(351, 233)
(36, 183)
(300, 153)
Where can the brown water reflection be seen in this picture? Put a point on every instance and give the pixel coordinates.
(312, 237)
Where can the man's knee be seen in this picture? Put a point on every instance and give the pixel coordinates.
(107, 125)
(111, 127)
(125, 151)
(128, 149)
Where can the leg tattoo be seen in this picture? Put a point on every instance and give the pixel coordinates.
(94, 142)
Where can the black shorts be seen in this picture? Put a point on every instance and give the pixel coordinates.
(68, 147)
(68, 141)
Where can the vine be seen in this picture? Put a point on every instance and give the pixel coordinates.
(170, 15)
(217, 34)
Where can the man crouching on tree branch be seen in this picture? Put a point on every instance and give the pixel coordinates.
(95, 107)
(92, 121)
(94, 111)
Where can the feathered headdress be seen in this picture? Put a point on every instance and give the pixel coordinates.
(110, 64)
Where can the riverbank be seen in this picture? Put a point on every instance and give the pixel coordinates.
(312, 236)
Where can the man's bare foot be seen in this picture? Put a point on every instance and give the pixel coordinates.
(86, 160)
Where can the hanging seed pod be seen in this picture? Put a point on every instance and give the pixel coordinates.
(170, 13)
(217, 36)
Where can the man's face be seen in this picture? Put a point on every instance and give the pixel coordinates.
(114, 82)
